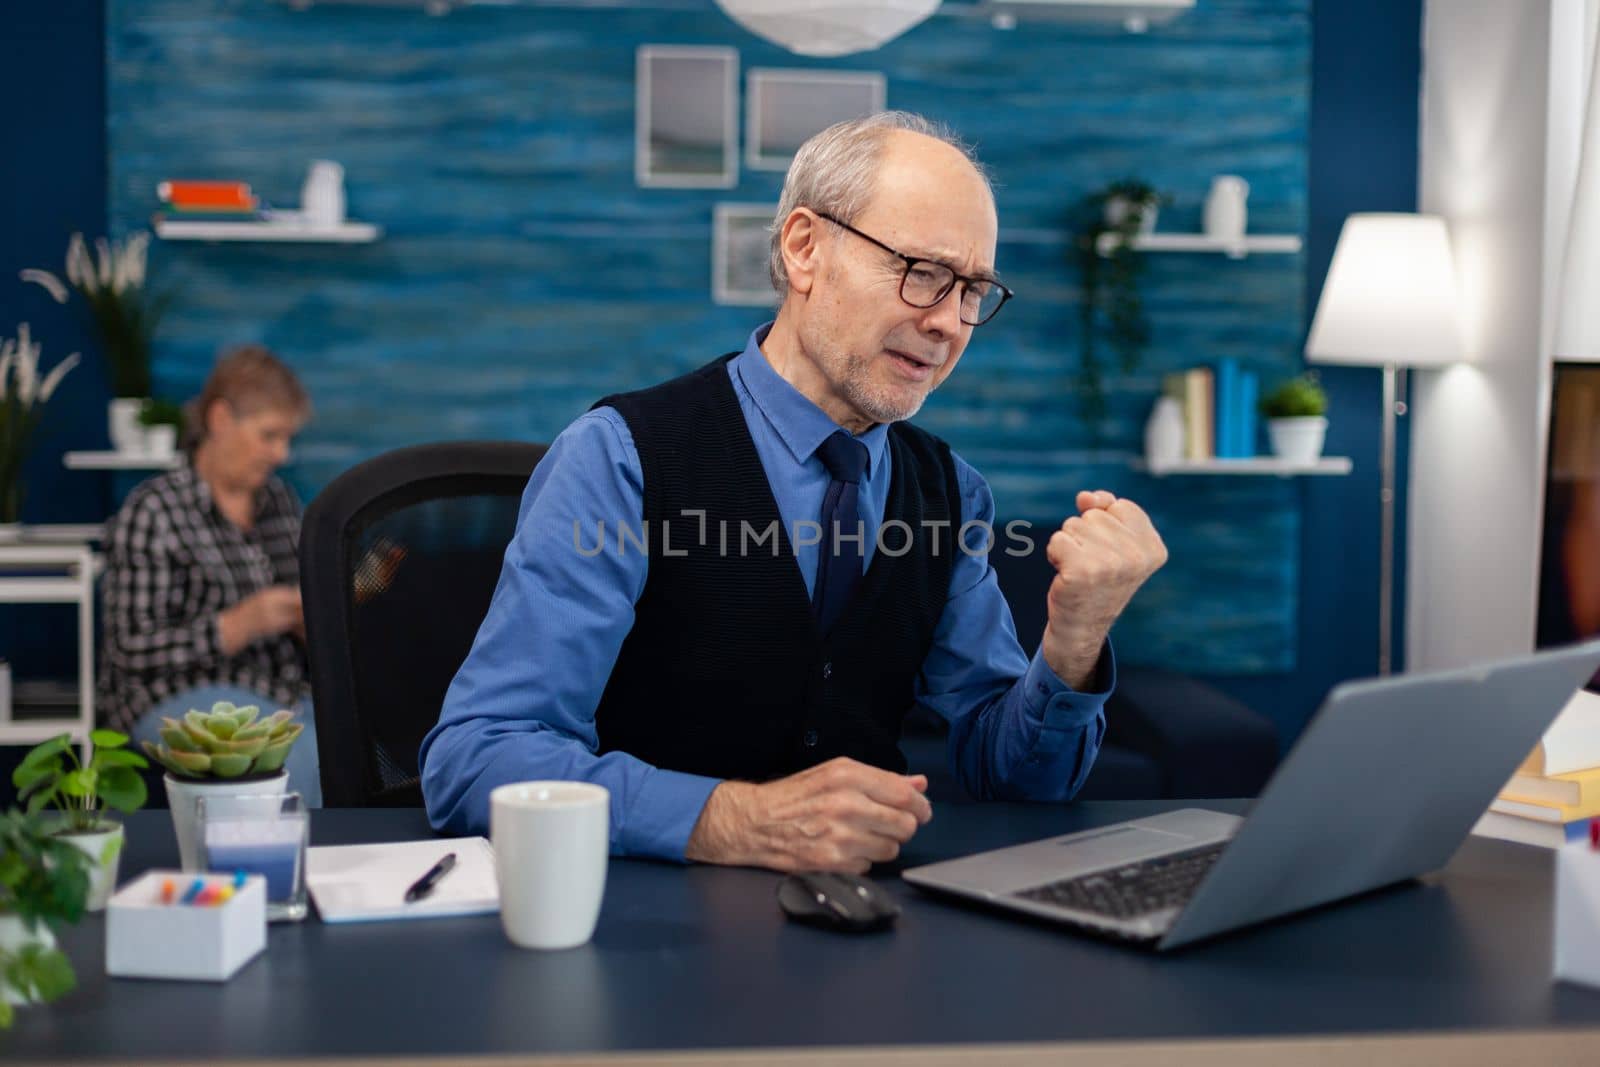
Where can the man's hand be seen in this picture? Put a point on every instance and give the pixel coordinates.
(837, 816)
(272, 611)
(1102, 556)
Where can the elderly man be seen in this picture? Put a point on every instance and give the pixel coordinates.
(790, 566)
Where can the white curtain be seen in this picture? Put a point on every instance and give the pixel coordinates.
(1577, 333)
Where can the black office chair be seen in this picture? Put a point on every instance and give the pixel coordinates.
(399, 558)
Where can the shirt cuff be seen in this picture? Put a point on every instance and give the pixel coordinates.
(1050, 701)
(665, 808)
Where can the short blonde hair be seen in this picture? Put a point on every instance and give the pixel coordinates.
(251, 379)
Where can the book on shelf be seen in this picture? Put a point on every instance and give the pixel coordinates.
(1561, 813)
(1227, 408)
(1572, 743)
(1577, 788)
(234, 196)
(1199, 399)
(1530, 831)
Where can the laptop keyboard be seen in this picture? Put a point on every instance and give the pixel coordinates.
(1137, 889)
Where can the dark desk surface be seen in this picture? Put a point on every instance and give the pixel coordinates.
(701, 958)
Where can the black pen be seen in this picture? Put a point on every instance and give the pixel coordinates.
(424, 885)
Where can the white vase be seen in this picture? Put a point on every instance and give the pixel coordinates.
(122, 423)
(1163, 433)
(183, 792)
(14, 935)
(103, 846)
(322, 194)
(1225, 213)
(1298, 440)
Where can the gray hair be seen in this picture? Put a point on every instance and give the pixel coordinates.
(835, 171)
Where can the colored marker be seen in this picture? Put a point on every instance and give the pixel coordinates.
(238, 879)
(168, 890)
(1594, 833)
(193, 891)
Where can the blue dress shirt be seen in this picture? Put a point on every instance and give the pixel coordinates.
(523, 704)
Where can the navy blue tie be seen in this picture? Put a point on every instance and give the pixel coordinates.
(839, 565)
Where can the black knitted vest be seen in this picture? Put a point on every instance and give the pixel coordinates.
(724, 673)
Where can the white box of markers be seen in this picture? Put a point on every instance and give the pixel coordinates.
(1577, 914)
(148, 937)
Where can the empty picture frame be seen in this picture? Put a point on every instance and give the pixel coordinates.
(740, 246)
(686, 123)
(783, 108)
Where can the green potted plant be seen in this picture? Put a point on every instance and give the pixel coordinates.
(43, 880)
(162, 421)
(1296, 419)
(52, 776)
(227, 751)
(112, 283)
(23, 395)
(1109, 266)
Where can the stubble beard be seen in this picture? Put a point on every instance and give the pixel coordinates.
(877, 402)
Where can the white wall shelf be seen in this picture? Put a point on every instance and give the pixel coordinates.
(53, 574)
(1252, 244)
(120, 461)
(286, 230)
(1327, 465)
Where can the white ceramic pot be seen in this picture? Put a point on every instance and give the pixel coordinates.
(1299, 439)
(14, 934)
(183, 792)
(122, 423)
(103, 846)
(160, 442)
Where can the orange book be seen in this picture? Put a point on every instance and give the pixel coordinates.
(213, 195)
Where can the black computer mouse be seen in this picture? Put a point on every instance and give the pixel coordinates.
(843, 902)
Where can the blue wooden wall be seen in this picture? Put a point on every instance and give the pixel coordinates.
(524, 274)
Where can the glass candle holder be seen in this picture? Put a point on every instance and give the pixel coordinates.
(262, 834)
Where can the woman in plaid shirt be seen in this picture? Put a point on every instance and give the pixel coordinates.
(202, 582)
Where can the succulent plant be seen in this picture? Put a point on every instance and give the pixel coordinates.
(225, 742)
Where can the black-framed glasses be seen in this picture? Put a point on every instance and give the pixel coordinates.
(927, 282)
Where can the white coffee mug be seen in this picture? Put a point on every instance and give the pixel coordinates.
(551, 843)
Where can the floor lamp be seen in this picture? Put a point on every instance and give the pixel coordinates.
(1391, 301)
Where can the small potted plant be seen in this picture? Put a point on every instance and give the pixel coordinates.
(227, 751)
(1296, 419)
(112, 282)
(1111, 306)
(52, 776)
(162, 421)
(23, 395)
(43, 880)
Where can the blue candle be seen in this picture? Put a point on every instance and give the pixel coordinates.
(272, 848)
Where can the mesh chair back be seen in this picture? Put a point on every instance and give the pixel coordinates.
(399, 558)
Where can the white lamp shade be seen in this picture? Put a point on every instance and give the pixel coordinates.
(828, 27)
(1391, 295)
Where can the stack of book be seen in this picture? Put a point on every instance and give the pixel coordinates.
(1556, 791)
(1219, 409)
(230, 201)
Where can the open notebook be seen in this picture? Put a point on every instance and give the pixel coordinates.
(362, 883)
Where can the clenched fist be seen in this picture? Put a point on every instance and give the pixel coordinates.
(837, 816)
(1101, 557)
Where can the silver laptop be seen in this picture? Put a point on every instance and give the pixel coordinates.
(1382, 786)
